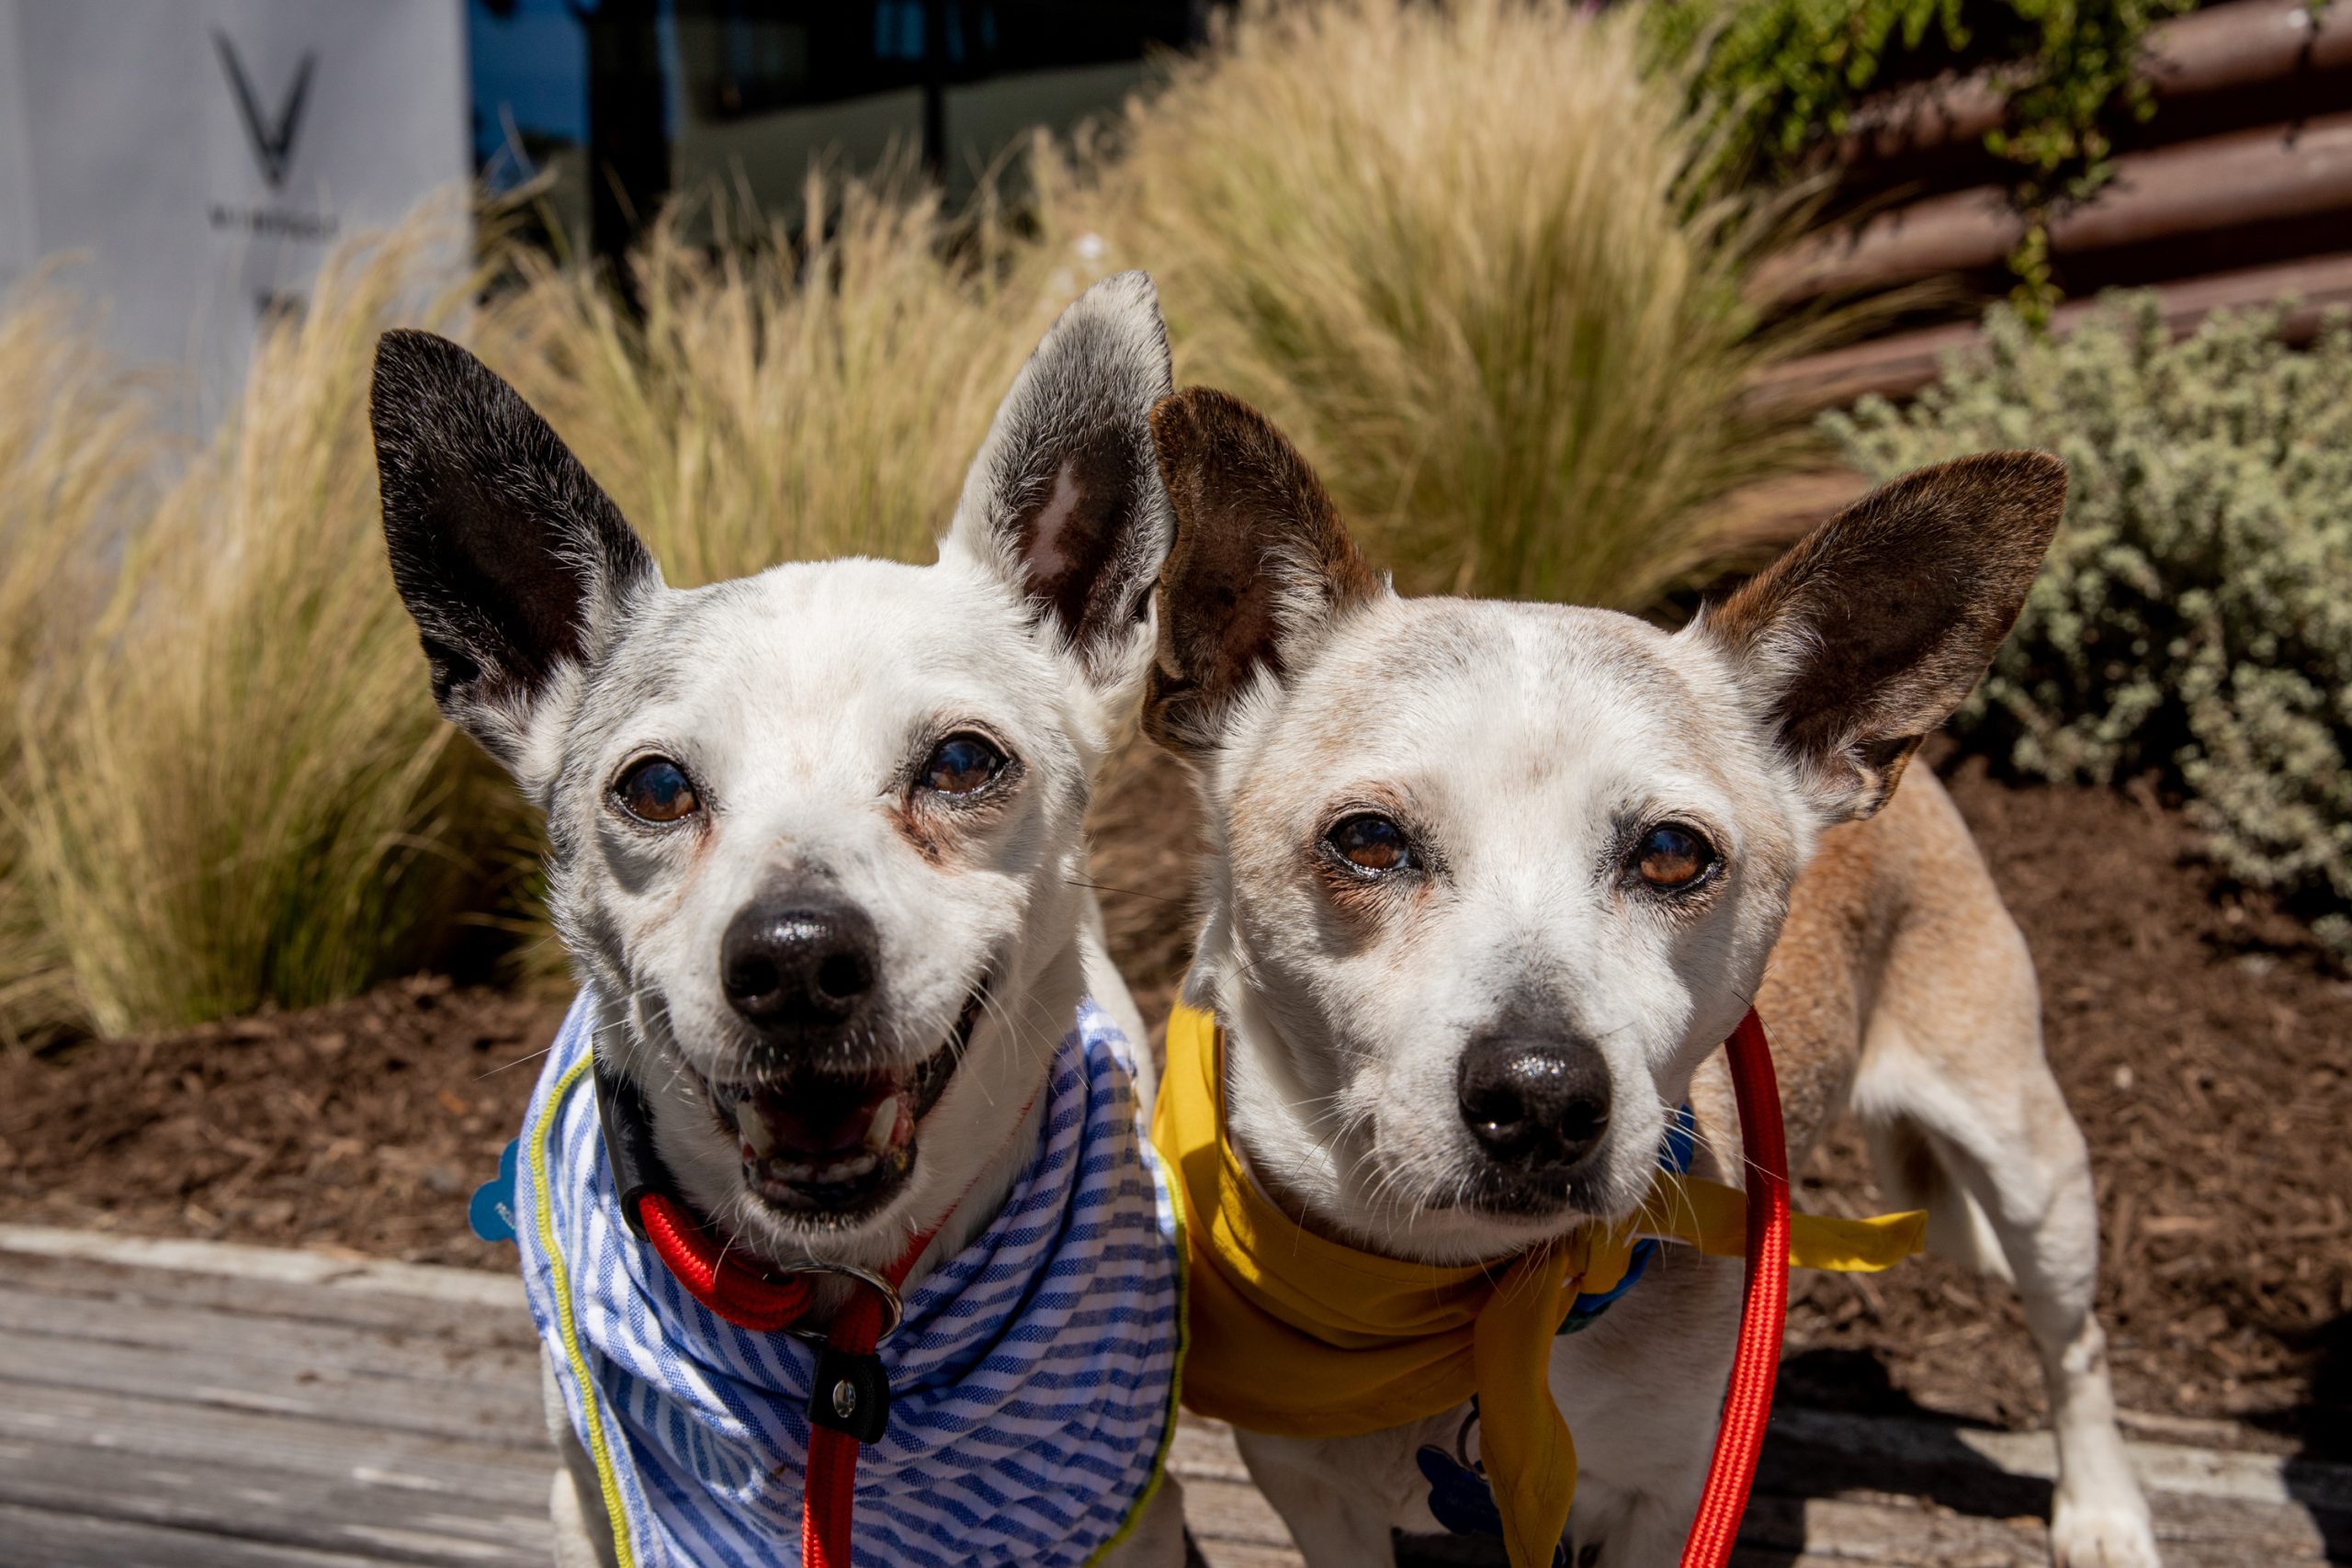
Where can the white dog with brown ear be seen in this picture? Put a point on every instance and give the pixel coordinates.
(1492, 882)
(816, 849)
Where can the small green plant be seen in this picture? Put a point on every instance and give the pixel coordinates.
(1459, 254)
(1784, 74)
(2195, 617)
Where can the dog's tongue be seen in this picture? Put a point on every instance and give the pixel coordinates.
(820, 1119)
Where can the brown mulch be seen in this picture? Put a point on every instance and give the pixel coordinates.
(2200, 1038)
(364, 1125)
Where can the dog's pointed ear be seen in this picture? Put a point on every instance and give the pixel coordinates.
(1864, 637)
(1064, 501)
(515, 565)
(1260, 565)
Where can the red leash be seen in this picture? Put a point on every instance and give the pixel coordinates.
(848, 1404)
(829, 1491)
(1748, 1404)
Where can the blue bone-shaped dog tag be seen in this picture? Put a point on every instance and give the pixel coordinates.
(491, 1213)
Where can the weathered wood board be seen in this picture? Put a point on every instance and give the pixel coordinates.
(182, 1403)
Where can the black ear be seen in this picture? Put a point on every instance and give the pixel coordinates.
(514, 564)
(1866, 636)
(1064, 501)
(1260, 564)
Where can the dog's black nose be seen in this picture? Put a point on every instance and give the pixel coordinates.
(1534, 1103)
(793, 966)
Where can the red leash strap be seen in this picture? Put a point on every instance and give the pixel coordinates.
(1748, 1404)
(728, 1285)
(829, 1488)
(850, 1381)
(849, 1395)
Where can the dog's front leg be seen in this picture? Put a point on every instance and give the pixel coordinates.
(1338, 1496)
(1641, 1389)
(1615, 1528)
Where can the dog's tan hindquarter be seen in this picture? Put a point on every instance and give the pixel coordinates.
(1900, 986)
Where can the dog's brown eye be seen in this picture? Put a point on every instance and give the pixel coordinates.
(961, 764)
(1673, 858)
(657, 790)
(1371, 843)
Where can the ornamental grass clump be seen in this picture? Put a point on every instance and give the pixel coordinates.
(2195, 617)
(1458, 253)
(250, 798)
(77, 461)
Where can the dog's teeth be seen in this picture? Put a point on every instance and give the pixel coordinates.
(847, 1171)
(884, 1122)
(755, 1132)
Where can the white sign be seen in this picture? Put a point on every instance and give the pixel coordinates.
(200, 157)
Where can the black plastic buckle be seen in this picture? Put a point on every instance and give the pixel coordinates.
(851, 1393)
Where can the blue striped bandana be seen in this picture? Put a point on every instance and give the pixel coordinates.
(1033, 1381)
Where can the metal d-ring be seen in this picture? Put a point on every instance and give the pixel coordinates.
(894, 1310)
(1461, 1442)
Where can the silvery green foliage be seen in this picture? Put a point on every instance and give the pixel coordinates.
(2195, 617)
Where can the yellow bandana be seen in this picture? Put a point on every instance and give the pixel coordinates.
(1297, 1334)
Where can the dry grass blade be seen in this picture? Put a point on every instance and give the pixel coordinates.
(77, 454)
(1457, 252)
(251, 798)
(784, 397)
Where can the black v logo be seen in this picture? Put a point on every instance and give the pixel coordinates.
(273, 145)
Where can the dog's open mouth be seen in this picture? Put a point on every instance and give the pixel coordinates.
(837, 1144)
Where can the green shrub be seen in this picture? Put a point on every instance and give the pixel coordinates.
(2195, 617)
(1457, 252)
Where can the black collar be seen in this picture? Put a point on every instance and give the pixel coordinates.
(638, 1170)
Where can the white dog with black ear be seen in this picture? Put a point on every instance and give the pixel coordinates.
(1492, 884)
(815, 850)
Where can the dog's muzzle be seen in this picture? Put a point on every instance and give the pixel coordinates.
(837, 1144)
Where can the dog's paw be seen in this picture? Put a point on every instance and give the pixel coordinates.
(2102, 1532)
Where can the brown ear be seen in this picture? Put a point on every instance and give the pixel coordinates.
(1260, 562)
(1867, 635)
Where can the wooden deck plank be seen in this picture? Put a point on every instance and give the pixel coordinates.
(497, 1317)
(229, 1498)
(1241, 1554)
(2162, 1467)
(310, 1412)
(502, 1407)
(204, 1334)
(268, 1265)
(38, 1538)
(108, 1426)
(1232, 1513)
